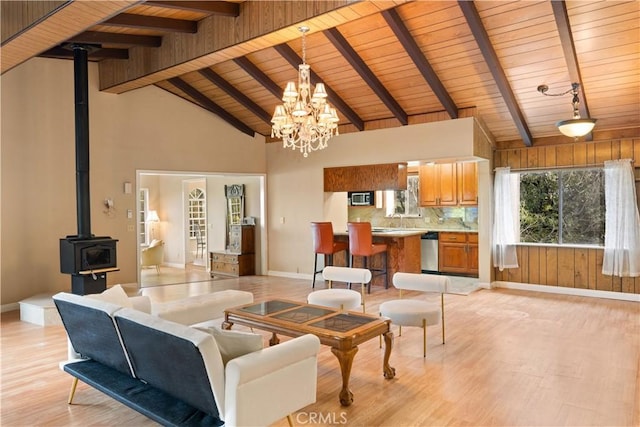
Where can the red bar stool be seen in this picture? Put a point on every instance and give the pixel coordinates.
(361, 244)
(323, 244)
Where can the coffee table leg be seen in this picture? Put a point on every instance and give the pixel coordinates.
(345, 358)
(227, 325)
(389, 372)
(274, 339)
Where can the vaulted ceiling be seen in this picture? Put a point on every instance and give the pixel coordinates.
(384, 63)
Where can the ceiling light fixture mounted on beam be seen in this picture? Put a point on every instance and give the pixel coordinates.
(304, 121)
(577, 126)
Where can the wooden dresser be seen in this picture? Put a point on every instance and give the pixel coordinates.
(240, 259)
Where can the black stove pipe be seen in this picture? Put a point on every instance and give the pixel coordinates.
(81, 92)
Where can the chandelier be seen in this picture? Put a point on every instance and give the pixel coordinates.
(304, 121)
(575, 127)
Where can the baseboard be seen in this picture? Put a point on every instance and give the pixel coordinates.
(568, 291)
(9, 307)
(173, 265)
(290, 275)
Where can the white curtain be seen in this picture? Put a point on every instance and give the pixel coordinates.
(622, 222)
(504, 221)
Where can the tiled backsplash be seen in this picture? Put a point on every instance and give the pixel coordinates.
(430, 218)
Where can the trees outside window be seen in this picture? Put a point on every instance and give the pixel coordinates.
(562, 207)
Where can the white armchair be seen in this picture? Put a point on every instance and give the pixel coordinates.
(153, 255)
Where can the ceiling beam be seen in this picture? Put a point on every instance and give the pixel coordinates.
(250, 68)
(230, 90)
(98, 37)
(223, 8)
(566, 39)
(209, 105)
(293, 59)
(58, 24)
(491, 58)
(158, 23)
(411, 47)
(99, 54)
(365, 72)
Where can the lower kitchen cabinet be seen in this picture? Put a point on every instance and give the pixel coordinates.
(458, 253)
(231, 264)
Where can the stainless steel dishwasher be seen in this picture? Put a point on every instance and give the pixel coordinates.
(429, 252)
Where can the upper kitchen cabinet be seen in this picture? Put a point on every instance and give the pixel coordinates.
(449, 184)
(390, 176)
(468, 183)
(438, 185)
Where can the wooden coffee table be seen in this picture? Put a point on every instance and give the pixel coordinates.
(341, 330)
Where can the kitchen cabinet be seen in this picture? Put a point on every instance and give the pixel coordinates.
(239, 259)
(448, 184)
(390, 176)
(458, 253)
(438, 185)
(468, 183)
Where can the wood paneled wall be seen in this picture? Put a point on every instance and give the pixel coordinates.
(559, 266)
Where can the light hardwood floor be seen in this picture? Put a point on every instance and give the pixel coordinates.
(512, 358)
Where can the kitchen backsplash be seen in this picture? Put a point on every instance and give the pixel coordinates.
(430, 218)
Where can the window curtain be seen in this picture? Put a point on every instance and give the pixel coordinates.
(622, 221)
(504, 221)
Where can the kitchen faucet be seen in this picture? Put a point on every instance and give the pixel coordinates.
(401, 218)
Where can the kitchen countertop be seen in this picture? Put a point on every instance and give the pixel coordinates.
(404, 232)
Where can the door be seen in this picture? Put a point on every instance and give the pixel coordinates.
(196, 227)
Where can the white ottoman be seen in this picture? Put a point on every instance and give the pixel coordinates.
(344, 299)
(201, 308)
(406, 312)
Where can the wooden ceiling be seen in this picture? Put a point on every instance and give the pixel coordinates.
(385, 63)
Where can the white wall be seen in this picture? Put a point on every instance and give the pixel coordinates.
(146, 129)
(296, 197)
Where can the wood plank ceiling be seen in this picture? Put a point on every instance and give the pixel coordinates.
(385, 63)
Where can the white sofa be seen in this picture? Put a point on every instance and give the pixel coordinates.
(187, 311)
(176, 374)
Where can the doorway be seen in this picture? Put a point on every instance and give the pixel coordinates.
(192, 221)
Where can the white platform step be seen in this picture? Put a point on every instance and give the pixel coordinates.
(39, 310)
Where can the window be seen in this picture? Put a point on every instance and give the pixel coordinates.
(562, 207)
(404, 202)
(143, 208)
(197, 212)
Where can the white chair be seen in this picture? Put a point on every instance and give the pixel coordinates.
(344, 299)
(411, 312)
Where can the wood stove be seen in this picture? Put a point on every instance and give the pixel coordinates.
(88, 261)
(86, 257)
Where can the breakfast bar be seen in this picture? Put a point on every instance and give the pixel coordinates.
(403, 251)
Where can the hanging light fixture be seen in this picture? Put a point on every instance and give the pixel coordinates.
(304, 121)
(577, 126)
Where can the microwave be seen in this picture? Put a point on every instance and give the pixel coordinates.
(361, 198)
